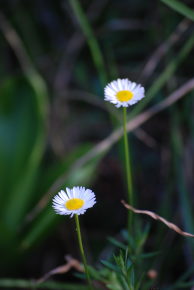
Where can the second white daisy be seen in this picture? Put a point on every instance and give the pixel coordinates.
(74, 201)
(123, 93)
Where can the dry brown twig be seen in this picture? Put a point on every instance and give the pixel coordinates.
(71, 263)
(157, 217)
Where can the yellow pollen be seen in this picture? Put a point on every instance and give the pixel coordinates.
(124, 96)
(74, 204)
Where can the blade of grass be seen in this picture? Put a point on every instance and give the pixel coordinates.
(28, 148)
(40, 98)
(180, 7)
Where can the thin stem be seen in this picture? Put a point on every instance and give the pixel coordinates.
(128, 167)
(82, 251)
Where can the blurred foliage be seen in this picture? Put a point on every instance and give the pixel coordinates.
(22, 131)
(56, 57)
(180, 7)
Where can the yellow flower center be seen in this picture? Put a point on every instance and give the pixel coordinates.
(74, 204)
(124, 96)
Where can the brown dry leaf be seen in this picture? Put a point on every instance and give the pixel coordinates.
(157, 217)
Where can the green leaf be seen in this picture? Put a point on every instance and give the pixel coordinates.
(22, 134)
(117, 243)
(111, 266)
(180, 7)
(130, 240)
(95, 274)
(113, 282)
(142, 237)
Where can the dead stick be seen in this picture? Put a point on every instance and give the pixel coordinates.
(157, 217)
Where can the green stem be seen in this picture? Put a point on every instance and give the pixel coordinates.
(128, 167)
(82, 251)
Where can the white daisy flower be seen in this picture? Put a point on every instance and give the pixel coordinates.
(123, 93)
(74, 201)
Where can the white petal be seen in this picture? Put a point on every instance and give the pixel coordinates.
(60, 199)
(115, 86)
